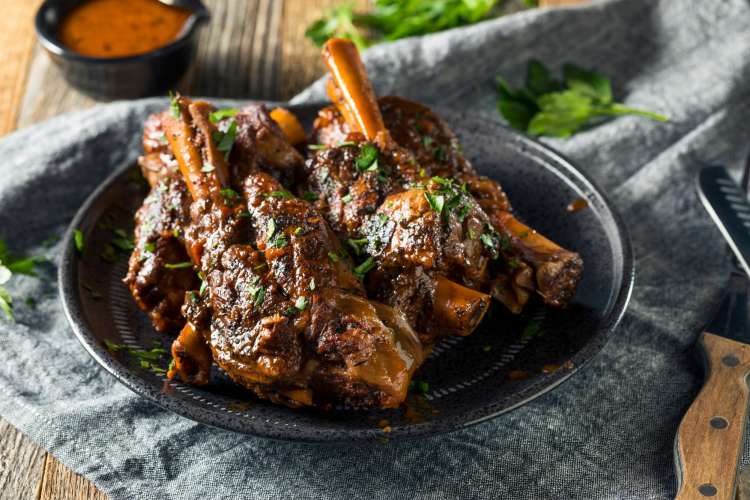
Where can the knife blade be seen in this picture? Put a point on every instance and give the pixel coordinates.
(710, 436)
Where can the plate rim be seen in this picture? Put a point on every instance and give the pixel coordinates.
(67, 281)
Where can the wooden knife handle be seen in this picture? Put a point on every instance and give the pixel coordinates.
(709, 439)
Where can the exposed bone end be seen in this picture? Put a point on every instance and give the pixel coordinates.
(458, 309)
(192, 357)
(350, 89)
(289, 125)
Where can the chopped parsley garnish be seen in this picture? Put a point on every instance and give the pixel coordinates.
(333, 257)
(301, 303)
(347, 198)
(316, 147)
(279, 194)
(298, 230)
(122, 241)
(310, 196)
(345, 144)
(146, 359)
(367, 161)
(193, 297)
(244, 215)
(436, 201)
(256, 291)
(356, 245)
(427, 140)
(260, 296)
(225, 140)
(365, 267)
(279, 241)
(230, 196)
(207, 167)
(150, 247)
(514, 263)
(220, 114)
(419, 386)
(178, 265)
(463, 212)
(174, 106)
(204, 283)
(78, 240)
(270, 228)
(487, 241)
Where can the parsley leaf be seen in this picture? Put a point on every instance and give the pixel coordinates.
(174, 106)
(220, 114)
(78, 240)
(230, 196)
(368, 158)
(436, 201)
(225, 140)
(310, 196)
(301, 303)
(559, 109)
(178, 265)
(270, 228)
(361, 270)
(6, 304)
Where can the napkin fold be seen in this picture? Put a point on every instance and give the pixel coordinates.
(606, 433)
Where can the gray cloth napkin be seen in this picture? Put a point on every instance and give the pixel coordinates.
(607, 433)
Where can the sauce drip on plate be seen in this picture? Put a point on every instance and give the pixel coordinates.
(115, 28)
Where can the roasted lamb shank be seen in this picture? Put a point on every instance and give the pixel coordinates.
(324, 282)
(529, 263)
(282, 313)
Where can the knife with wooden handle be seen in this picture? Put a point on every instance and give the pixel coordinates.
(710, 436)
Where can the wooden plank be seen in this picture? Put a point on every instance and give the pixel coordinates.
(16, 43)
(300, 63)
(21, 464)
(60, 483)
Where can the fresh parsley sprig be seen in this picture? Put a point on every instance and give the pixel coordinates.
(9, 265)
(546, 106)
(389, 20)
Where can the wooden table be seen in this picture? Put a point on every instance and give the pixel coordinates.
(263, 39)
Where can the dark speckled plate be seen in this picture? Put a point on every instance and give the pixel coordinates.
(503, 365)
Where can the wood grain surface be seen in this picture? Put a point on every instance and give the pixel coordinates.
(250, 49)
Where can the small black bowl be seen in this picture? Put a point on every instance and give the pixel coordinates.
(129, 77)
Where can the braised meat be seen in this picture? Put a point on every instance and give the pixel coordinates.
(288, 318)
(159, 235)
(324, 281)
(530, 262)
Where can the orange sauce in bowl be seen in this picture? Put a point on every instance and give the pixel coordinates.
(119, 28)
